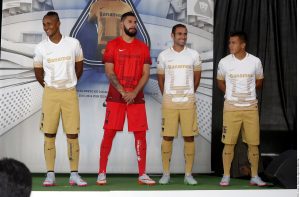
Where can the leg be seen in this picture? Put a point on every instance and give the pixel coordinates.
(73, 151)
(50, 154)
(228, 153)
(189, 129)
(251, 137)
(253, 156)
(50, 151)
(166, 153)
(71, 126)
(105, 149)
(141, 150)
(49, 123)
(170, 123)
(189, 154)
(232, 122)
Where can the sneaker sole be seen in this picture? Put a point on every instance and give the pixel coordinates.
(74, 184)
(224, 185)
(49, 185)
(254, 184)
(101, 183)
(190, 183)
(143, 183)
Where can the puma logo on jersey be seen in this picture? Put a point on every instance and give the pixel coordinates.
(121, 50)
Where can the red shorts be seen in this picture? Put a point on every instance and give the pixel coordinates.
(115, 116)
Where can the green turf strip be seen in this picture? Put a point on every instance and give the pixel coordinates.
(125, 182)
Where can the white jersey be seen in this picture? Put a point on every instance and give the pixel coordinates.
(58, 61)
(240, 78)
(178, 68)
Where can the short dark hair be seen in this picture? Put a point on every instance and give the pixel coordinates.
(124, 16)
(242, 35)
(52, 13)
(16, 180)
(177, 26)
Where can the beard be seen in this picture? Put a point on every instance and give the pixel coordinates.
(130, 34)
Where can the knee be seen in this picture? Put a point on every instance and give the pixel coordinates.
(72, 136)
(48, 135)
(168, 138)
(189, 139)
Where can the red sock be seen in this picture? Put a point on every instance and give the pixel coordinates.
(105, 148)
(141, 148)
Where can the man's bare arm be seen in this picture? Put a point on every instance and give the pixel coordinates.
(221, 85)
(258, 84)
(110, 73)
(79, 69)
(39, 75)
(161, 82)
(197, 77)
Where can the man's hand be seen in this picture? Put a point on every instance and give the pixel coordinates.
(129, 97)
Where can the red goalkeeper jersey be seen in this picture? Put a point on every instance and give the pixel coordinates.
(128, 60)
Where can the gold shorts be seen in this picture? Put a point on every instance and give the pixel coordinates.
(247, 121)
(187, 118)
(60, 102)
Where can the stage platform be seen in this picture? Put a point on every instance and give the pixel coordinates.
(126, 185)
(128, 182)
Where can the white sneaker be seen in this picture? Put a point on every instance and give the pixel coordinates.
(257, 181)
(225, 181)
(165, 179)
(189, 180)
(101, 180)
(145, 180)
(75, 179)
(50, 179)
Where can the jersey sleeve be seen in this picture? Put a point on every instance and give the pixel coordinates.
(197, 62)
(160, 65)
(108, 56)
(78, 52)
(147, 59)
(37, 58)
(259, 74)
(221, 71)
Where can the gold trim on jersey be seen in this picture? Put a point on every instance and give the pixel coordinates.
(79, 58)
(37, 65)
(160, 71)
(261, 76)
(198, 67)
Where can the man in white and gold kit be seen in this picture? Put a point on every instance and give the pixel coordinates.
(179, 72)
(239, 75)
(58, 64)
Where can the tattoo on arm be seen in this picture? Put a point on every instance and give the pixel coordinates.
(115, 82)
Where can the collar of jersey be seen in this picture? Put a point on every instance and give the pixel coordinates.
(247, 54)
(62, 37)
(177, 51)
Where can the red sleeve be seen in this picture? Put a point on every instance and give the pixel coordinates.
(147, 59)
(108, 56)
